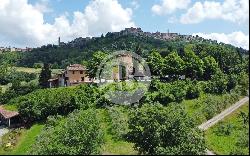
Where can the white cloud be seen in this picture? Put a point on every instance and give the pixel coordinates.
(169, 6)
(135, 4)
(238, 39)
(22, 24)
(173, 19)
(43, 6)
(236, 11)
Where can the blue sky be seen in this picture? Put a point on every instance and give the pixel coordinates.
(224, 20)
(144, 17)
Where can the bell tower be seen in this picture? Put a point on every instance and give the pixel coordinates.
(59, 41)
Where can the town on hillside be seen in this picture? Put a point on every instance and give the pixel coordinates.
(116, 77)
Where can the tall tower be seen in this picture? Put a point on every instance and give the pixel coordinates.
(59, 41)
(168, 31)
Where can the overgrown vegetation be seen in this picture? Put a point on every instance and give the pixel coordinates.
(79, 133)
(231, 136)
(165, 130)
(192, 82)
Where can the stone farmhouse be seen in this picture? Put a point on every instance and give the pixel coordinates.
(73, 75)
(76, 74)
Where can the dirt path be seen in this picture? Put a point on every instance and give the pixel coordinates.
(222, 115)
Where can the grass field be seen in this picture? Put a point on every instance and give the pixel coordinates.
(111, 146)
(24, 139)
(224, 144)
(10, 107)
(196, 108)
(34, 70)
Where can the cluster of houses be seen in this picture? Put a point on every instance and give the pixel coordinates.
(139, 32)
(135, 31)
(76, 74)
(11, 49)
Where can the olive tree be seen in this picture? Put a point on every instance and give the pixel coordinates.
(155, 129)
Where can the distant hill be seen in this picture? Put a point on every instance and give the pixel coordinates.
(81, 49)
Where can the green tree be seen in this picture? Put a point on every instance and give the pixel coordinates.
(138, 51)
(45, 75)
(210, 67)
(94, 63)
(78, 134)
(174, 65)
(218, 83)
(155, 63)
(194, 65)
(155, 129)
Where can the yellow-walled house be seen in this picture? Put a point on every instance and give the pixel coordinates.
(73, 75)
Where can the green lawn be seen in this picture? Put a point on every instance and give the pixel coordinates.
(34, 70)
(24, 139)
(10, 107)
(225, 143)
(197, 108)
(28, 70)
(111, 146)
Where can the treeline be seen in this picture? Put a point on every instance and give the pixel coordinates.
(60, 57)
(154, 118)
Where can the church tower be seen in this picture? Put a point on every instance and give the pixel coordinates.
(59, 41)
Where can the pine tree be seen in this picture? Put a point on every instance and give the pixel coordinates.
(45, 75)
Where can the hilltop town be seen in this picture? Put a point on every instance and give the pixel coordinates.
(11, 49)
(166, 36)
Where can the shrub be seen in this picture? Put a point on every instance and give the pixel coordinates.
(193, 90)
(17, 90)
(166, 93)
(42, 103)
(80, 133)
(155, 129)
(214, 105)
(224, 129)
(119, 122)
(218, 84)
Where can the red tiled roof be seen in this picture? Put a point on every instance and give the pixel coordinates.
(7, 114)
(76, 67)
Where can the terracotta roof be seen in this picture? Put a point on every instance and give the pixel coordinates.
(7, 114)
(76, 67)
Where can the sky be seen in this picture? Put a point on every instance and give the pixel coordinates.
(33, 23)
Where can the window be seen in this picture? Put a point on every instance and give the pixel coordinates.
(73, 72)
(82, 78)
(81, 72)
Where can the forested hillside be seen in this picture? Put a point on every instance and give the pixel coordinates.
(164, 121)
(79, 50)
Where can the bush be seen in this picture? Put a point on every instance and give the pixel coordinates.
(80, 133)
(218, 84)
(166, 93)
(155, 129)
(13, 76)
(17, 90)
(193, 90)
(42, 103)
(119, 122)
(224, 129)
(214, 105)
